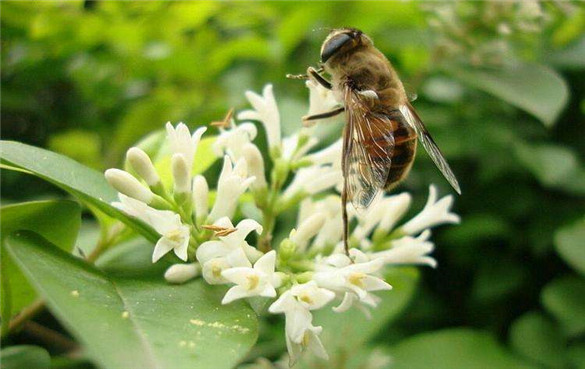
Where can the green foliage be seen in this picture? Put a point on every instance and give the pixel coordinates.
(57, 221)
(159, 325)
(500, 87)
(25, 356)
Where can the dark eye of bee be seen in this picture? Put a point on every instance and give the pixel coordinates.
(334, 45)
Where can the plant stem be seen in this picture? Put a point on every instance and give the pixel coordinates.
(26, 314)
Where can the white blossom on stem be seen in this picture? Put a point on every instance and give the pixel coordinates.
(255, 165)
(175, 234)
(266, 112)
(232, 141)
(433, 214)
(233, 182)
(181, 273)
(321, 100)
(261, 280)
(181, 174)
(200, 197)
(329, 234)
(409, 250)
(330, 155)
(292, 151)
(229, 251)
(397, 205)
(182, 142)
(312, 180)
(307, 230)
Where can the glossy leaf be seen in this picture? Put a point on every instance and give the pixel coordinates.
(88, 185)
(138, 323)
(25, 356)
(535, 89)
(539, 339)
(57, 220)
(570, 245)
(563, 298)
(453, 349)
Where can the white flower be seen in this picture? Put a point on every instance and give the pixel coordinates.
(200, 197)
(182, 142)
(297, 145)
(265, 111)
(232, 183)
(409, 250)
(126, 184)
(338, 273)
(181, 174)
(331, 155)
(232, 141)
(307, 229)
(397, 206)
(296, 304)
(181, 273)
(330, 233)
(321, 100)
(175, 235)
(350, 299)
(255, 165)
(434, 213)
(229, 251)
(312, 180)
(257, 281)
(142, 164)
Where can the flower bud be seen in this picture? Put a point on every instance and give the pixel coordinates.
(126, 184)
(181, 273)
(255, 165)
(181, 174)
(200, 197)
(142, 164)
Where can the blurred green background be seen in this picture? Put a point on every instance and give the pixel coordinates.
(501, 86)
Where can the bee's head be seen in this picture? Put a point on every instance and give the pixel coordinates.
(342, 40)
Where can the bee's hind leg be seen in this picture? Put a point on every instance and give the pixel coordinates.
(309, 120)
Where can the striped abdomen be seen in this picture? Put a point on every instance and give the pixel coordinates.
(404, 149)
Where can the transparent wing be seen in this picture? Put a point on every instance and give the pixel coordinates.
(368, 145)
(429, 144)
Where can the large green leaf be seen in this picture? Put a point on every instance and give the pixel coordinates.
(136, 323)
(570, 245)
(25, 356)
(536, 337)
(458, 348)
(57, 220)
(563, 298)
(86, 184)
(535, 89)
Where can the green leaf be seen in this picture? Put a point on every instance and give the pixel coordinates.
(533, 88)
(82, 146)
(576, 355)
(553, 166)
(137, 323)
(343, 332)
(458, 348)
(570, 245)
(56, 220)
(25, 356)
(563, 298)
(536, 337)
(88, 185)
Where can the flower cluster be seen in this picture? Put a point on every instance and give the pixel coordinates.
(305, 271)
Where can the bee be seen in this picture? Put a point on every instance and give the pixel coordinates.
(381, 130)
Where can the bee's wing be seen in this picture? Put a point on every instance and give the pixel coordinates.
(367, 147)
(429, 144)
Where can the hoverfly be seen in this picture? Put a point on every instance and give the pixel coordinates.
(379, 137)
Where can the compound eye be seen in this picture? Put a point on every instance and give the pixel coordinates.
(333, 45)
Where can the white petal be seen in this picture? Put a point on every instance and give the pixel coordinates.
(212, 249)
(162, 247)
(234, 293)
(266, 263)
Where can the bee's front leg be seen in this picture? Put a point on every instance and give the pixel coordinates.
(309, 120)
(314, 75)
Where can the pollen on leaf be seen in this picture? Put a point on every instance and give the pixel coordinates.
(125, 314)
(197, 322)
(75, 293)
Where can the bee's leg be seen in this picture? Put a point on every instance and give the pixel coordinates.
(308, 120)
(315, 76)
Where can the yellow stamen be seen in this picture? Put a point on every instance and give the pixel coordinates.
(357, 279)
(306, 298)
(253, 281)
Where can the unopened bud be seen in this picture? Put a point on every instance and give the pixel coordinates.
(181, 174)
(126, 184)
(181, 273)
(200, 197)
(255, 165)
(142, 164)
